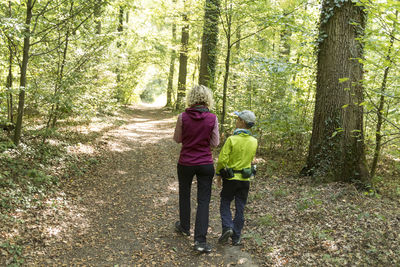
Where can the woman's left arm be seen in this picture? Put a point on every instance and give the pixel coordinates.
(214, 142)
(178, 130)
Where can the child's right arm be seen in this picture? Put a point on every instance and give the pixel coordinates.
(224, 154)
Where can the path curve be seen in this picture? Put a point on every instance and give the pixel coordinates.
(130, 203)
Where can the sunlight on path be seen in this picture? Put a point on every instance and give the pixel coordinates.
(159, 102)
(131, 203)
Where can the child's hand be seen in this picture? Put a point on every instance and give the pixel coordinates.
(219, 181)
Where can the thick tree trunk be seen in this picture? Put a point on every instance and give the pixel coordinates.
(170, 88)
(209, 43)
(336, 151)
(379, 111)
(24, 68)
(183, 64)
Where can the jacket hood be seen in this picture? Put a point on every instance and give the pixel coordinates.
(197, 112)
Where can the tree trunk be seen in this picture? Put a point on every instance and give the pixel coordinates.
(9, 88)
(379, 111)
(120, 28)
(225, 89)
(336, 151)
(209, 43)
(183, 64)
(170, 88)
(227, 66)
(97, 16)
(120, 19)
(10, 113)
(285, 44)
(24, 68)
(60, 74)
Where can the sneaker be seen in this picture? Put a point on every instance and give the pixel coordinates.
(228, 232)
(237, 242)
(202, 247)
(179, 229)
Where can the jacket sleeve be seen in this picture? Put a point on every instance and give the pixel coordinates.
(224, 155)
(214, 142)
(178, 130)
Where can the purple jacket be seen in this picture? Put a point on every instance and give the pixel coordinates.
(197, 129)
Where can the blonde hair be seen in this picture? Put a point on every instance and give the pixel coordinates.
(200, 94)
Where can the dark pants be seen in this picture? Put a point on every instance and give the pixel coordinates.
(239, 191)
(204, 174)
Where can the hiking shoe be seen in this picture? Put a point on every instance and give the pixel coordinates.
(202, 247)
(179, 229)
(228, 232)
(237, 242)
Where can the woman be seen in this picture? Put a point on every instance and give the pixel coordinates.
(197, 130)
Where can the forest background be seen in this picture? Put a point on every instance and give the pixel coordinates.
(65, 63)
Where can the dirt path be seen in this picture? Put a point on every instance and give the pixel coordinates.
(127, 207)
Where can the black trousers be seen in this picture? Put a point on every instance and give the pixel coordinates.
(204, 174)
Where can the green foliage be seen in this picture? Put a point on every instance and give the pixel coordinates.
(153, 89)
(379, 56)
(268, 220)
(15, 251)
(280, 193)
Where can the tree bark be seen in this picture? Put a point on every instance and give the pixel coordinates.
(170, 88)
(209, 43)
(183, 64)
(24, 68)
(120, 28)
(336, 151)
(227, 68)
(225, 88)
(97, 16)
(379, 111)
(60, 75)
(285, 44)
(10, 113)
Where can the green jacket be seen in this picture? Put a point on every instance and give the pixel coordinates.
(237, 153)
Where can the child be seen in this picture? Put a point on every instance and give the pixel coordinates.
(236, 156)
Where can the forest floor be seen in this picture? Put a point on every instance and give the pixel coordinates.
(121, 208)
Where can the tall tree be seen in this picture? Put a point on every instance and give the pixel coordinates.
(54, 111)
(209, 43)
(336, 150)
(171, 73)
(229, 44)
(120, 29)
(183, 63)
(24, 68)
(380, 111)
(97, 15)
(233, 20)
(10, 113)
